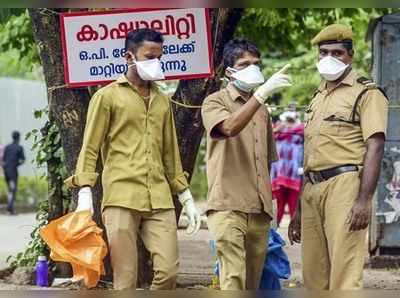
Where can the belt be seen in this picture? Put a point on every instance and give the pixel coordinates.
(320, 176)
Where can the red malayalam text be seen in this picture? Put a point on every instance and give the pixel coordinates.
(181, 27)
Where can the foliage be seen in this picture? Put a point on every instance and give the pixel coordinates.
(29, 188)
(47, 144)
(19, 56)
(50, 154)
(7, 13)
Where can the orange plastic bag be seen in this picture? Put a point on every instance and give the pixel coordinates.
(75, 238)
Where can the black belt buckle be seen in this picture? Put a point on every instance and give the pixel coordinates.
(315, 177)
(320, 176)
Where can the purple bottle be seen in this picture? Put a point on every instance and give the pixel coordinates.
(42, 272)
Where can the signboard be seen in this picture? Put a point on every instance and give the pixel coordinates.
(93, 43)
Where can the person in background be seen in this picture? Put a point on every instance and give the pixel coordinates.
(286, 181)
(1, 156)
(13, 157)
(1, 159)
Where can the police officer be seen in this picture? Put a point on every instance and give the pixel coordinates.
(13, 157)
(344, 143)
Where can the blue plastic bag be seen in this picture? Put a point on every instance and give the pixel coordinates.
(277, 265)
(214, 253)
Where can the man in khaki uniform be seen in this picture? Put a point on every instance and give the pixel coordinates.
(130, 122)
(240, 148)
(344, 143)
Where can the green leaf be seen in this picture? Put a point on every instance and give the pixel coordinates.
(58, 153)
(38, 114)
(57, 139)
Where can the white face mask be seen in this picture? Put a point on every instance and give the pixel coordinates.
(149, 70)
(331, 68)
(247, 78)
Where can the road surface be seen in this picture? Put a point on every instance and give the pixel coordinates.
(196, 260)
(14, 234)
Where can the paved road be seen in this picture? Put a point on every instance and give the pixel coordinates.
(14, 234)
(196, 260)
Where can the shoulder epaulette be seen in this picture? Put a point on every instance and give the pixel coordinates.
(370, 84)
(316, 92)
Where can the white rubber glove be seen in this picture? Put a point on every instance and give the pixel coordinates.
(276, 82)
(186, 199)
(85, 200)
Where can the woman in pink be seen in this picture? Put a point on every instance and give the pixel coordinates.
(286, 181)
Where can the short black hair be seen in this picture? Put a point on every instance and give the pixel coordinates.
(135, 37)
(347, 44)
(235, 49)
(15, 135)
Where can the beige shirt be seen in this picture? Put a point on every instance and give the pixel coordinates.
(237, 167)
(138, 147)
(330, 139)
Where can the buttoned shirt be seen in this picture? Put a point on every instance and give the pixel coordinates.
(331, 138)
(237, 167)
(138, 145)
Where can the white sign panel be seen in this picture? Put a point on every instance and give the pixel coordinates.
(93, 43)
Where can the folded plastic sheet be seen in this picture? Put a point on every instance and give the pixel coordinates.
(75, 238)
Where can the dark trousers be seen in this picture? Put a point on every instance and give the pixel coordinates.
(12, 184)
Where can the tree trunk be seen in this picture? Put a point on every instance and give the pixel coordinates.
(68, 107)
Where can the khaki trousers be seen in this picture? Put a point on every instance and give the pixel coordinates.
(158, 231)
(333, 257)
(241, 244)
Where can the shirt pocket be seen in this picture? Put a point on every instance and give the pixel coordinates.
(308, 116)
(337, 123)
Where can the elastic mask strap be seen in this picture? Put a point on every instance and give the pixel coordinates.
(231, 69)
(134, 61)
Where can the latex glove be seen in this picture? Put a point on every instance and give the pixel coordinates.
(276, 82)
(186, 199)
(85, 200)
